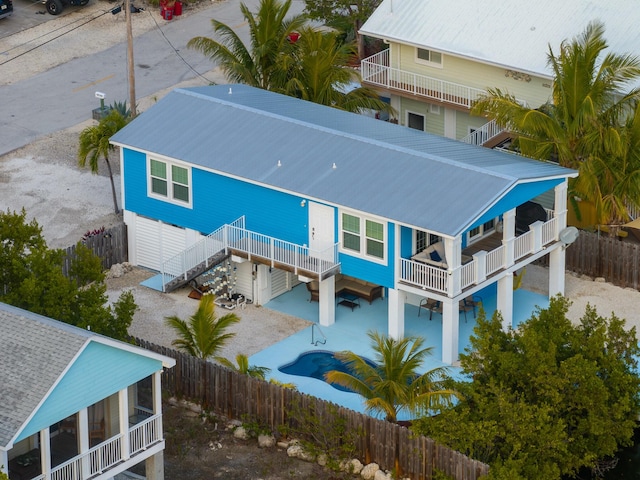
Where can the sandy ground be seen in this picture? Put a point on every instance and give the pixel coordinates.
(44, 178)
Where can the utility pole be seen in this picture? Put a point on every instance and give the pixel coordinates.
(130, 65)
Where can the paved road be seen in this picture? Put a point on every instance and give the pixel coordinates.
(64, 96)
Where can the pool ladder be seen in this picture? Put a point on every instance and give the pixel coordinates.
(321, 340)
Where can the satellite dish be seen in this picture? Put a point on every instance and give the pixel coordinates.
(568, 235)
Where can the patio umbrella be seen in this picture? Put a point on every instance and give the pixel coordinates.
(634, 227)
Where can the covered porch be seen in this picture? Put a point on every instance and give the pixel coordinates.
(96, 442)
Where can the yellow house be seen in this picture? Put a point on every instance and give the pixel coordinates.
(442, 55)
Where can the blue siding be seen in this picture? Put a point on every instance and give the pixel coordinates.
(98, 372)
(520, 194)
(371, 271)
(218, 200)
(406, 242)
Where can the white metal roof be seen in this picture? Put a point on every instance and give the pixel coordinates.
(507, 33)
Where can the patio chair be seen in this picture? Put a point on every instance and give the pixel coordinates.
(314, 289)
(96, 431)
(469, 304)
(431, 305)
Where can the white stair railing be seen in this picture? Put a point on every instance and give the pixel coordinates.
(483, 134)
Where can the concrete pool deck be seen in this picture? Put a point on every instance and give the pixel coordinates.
(350, 333)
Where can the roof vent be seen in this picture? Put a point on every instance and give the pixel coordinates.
(334, 165)
(230, 91)
(279, 163)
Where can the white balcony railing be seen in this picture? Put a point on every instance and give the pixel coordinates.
(437, 279)
(237, 239)
(376, 70)
(104, 456)
(482, 135)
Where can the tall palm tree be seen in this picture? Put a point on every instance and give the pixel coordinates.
(94, 143)
(269, 33)
(588, 102)
(242, 366)
(204, 334)
(317, 71)
(394, 384)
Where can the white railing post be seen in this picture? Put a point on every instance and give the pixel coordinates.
(536, 231)
(480, 260)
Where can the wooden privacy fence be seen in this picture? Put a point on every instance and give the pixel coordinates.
(110, 246)
(602, 256)
(239, 396)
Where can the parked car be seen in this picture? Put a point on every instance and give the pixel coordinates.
(6, 8)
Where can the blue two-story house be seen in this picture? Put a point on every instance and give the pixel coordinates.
(289, 191)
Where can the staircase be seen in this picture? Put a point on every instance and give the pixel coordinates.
(234, 239)
(489, 135)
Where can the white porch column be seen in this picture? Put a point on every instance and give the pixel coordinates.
(154, 466)
(505, 300)
(557, 263)
(560, 205)
(327, 301)
(397, 299)
(83, 440)
(45, 453)
(480, 262)
(156, 391)
(453, 256)
(4, 461)
(123, 415)
(508, 236)
(450, 331)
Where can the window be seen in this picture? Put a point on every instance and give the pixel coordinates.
(424, 239)
(428, 57)
(168, 181)
(415, 121)
(481, 230)
(363, 236)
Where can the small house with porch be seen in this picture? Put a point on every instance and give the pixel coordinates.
(274, 191)
(76, 405)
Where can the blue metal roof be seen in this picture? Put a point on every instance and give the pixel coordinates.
(397, 173)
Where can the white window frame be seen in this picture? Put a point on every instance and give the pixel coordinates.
(424, 120)
(169, 197)
(363, 237)
(429, 62)
(482, 231)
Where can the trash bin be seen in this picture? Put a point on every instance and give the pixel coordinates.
(177, 9)
(167, 12)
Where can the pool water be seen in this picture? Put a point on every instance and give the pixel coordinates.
(316, 363)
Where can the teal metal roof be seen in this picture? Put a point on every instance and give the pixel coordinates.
(333, 156)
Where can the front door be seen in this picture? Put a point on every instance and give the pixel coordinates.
(321, 229)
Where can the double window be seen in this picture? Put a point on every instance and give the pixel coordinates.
(363, 236)
(428, 57)
(170, 182)
(481, 230)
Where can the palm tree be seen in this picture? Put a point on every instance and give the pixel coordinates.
(269, 33)
(318, 71)
(242, 366)
(394, 384)
(94, 143)
(203, 335)
(588, 102)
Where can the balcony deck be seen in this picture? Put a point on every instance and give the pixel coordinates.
(377, 72)
(490, 259)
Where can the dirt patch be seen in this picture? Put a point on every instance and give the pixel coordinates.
(199, 448)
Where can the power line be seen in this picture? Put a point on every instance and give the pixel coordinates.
(209, 82)
(51, 39)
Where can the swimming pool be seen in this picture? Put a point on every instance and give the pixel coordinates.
(316, 363)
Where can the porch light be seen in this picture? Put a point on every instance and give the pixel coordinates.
(303, 203)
